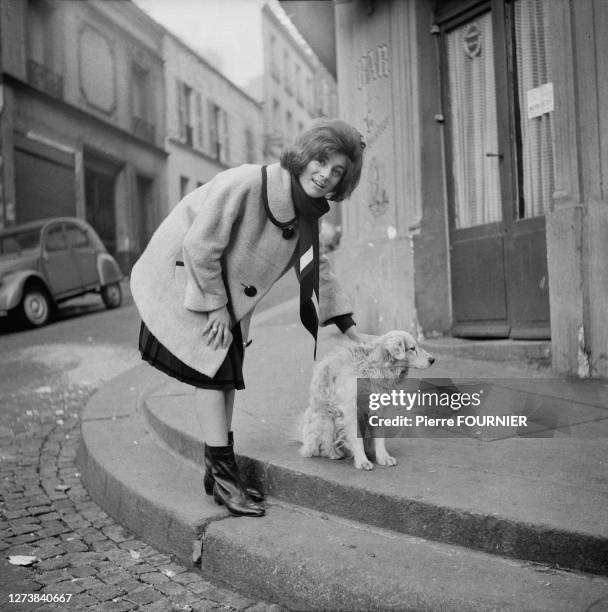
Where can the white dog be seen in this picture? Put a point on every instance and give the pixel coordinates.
(330, 421)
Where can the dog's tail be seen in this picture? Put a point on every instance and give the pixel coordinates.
(321, 437)
(323, 428)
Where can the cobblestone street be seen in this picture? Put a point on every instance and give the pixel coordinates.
(80, 552)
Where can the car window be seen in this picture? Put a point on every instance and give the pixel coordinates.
(55, 239)
(29, 240)
(9, 245)
(17, 243)
(77, 237)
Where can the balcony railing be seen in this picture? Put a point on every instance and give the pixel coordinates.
(143, 129)
(45, 79)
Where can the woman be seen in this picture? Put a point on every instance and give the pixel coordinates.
(212, 260)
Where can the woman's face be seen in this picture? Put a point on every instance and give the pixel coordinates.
(321, 176)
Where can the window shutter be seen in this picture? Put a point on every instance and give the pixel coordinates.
(212, 129)
(199, 120)
(226, 138)
(181, 110)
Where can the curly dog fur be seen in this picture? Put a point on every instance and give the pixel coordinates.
(330, 421)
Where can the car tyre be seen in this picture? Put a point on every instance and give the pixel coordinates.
(36, 306)
(111, 295)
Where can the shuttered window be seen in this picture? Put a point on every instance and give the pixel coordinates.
(200, 143)
(44, 181)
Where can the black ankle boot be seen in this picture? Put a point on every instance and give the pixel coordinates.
(255, 494)
(227, 487)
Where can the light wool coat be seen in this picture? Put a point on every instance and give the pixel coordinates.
(226, 242)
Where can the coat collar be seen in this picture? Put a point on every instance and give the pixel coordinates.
(279, 193)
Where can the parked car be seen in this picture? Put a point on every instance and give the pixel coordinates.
(43, 263)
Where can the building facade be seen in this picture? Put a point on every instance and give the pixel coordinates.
(297, 87)
(482, 211)
(82, 118)
(211, 123)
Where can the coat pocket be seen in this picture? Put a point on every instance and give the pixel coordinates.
(179, 273)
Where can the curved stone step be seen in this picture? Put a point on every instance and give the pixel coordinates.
(501, 512)
(136, 480)
(300, 558)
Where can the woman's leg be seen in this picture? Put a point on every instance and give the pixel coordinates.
(222, 477)
(212, 415)
(253, 491)
(229, 407)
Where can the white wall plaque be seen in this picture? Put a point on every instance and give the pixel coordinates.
(97, 70)
(539, 100)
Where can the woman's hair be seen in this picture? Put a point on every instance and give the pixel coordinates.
(324, 137)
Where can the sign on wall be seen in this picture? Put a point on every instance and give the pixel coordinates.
(540, 100)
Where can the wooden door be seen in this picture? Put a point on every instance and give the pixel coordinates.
(497, 157)
(100, 206)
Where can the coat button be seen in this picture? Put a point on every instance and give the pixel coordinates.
(250, 290)
(288, 232)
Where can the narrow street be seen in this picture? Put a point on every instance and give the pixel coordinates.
(83, 559)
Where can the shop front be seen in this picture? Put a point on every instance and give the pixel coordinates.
(497, 103)
(481, 212)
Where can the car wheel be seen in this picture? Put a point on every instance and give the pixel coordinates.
(111, 295)
(35, 306)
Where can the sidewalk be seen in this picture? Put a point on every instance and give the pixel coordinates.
(481, 523)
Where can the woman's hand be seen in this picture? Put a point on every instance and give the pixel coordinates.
(217, 329)
(352, 334)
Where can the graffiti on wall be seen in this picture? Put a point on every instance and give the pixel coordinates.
(373, 65)
(372, 74)
(378, 197)
(374, 129)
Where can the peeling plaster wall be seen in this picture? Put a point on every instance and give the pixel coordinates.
(597, 239)
(395, 260)
(577, 227)
(379, 270)
(378, 278)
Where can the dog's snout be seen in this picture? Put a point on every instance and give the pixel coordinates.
(431, 360)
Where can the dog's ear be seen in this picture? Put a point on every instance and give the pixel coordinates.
(396, 347)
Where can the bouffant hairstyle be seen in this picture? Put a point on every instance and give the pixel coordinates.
(324, 137)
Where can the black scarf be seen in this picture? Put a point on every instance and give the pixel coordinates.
(309, 210)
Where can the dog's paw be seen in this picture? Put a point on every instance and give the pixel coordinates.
(386, 460)
(307, 450)
(365, 464)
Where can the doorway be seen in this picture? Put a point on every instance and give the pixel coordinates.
(100, 180)
(145, 211)
(497, 97)
(44, 181)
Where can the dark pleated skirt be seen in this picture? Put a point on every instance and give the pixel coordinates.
(228, 377)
